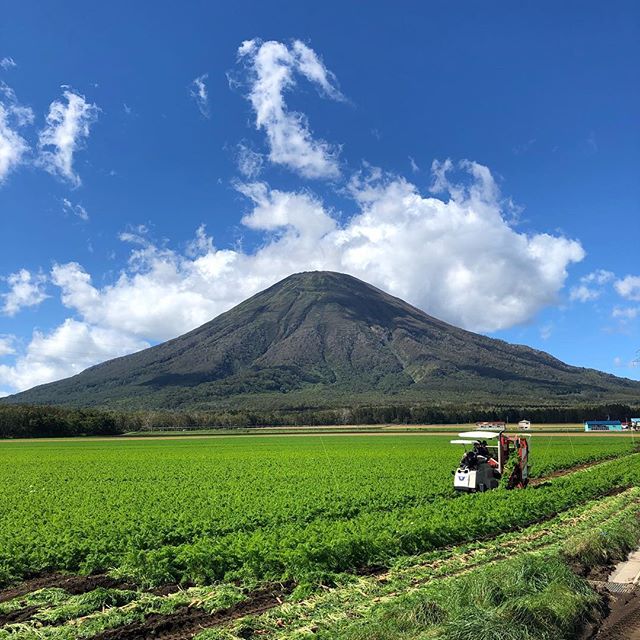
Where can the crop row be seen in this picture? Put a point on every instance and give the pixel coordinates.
(59, 616)
(158, 508)
(303, 552)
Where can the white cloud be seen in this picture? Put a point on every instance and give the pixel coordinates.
(70, 348)
(629, 287)
(7, 345)
(625, 313)
(66, 131)
(249, 162)
(458, 259)
(600, 277)
(76, 209)
(414, 165)
(26, 289)
(13, 147)
(591, 286)
(582, 293)
(546, 330)
(198, 91)
(310, 66)
(7, 63)
(272, 66)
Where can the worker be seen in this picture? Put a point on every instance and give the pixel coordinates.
(482, 449)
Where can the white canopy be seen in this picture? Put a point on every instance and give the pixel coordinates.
(479, 435)
(463, 441)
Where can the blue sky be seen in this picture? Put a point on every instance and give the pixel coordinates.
(478, 160)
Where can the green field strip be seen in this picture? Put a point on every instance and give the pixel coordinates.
(357, 597)
(335, 546)
(266, 508)
(405, 575)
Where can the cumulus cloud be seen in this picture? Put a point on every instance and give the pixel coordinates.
(26, 289)
(272, 70)
(198, 91)
(68, 126)
(70, 348)
(591, 286)
(456, 257)
(13, 116)
(629, 287)
(75, 209)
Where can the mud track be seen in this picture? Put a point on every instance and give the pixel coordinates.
(623, 619)
(72, 584)
(187, 622)
(21, 615)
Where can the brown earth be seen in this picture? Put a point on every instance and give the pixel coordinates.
(72, 584)
(622, 621)
(186, 622)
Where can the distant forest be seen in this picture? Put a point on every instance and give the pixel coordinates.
(25, 421)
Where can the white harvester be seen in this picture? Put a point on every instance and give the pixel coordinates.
(490, 455)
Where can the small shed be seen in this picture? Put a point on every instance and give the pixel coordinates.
(603, 425)
(524, 424)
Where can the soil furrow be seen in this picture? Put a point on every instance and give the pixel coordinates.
(187, 622)
(72, 584)
(21, 615)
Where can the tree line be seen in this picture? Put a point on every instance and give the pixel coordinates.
(28, 421)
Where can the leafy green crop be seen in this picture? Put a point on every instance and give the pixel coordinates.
(250, 508)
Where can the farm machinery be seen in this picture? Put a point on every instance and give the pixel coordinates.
(492, 458)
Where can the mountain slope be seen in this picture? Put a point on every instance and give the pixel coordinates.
(327, 339)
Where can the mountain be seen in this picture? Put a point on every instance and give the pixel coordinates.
(324, 339)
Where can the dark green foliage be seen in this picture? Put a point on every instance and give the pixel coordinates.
(21, 421)
(325, 340)
(27, 421)
(305, 508)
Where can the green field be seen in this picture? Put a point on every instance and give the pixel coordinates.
(229, 514)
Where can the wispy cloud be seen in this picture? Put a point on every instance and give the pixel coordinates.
(7, 345)
(13, 116)
(625, 313)
(272, 66)
(591, 286)
(67, 128)
(546, 330)
(198, 91)
(249, 162)
(75, 209)
(7, 63)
